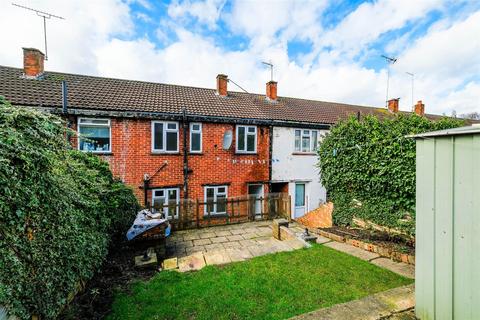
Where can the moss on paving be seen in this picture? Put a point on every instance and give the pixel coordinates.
(275, 286)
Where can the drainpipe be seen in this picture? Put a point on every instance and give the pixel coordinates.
(270, 157)
(185, 155)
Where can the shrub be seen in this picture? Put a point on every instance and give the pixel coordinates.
(368, 168)
(58, 210)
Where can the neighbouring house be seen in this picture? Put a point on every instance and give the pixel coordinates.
(172, 142)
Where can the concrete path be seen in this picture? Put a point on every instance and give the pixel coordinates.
(377, 306)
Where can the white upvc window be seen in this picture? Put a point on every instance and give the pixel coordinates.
(195, 137)
(94, 135)
(164, 136)
(306, 140)
(216, 199)
(246, 141)
(169, 199)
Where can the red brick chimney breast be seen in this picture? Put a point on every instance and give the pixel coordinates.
(222, 80)
(272, 90)
(33, 60)
(393, 105)
(420, 108)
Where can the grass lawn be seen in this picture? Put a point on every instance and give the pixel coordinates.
(275, 286)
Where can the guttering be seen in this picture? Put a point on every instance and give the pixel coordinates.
(190, 117)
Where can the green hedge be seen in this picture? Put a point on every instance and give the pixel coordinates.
(368, 168)
(58, 211)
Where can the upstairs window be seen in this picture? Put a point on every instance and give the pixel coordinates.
(94, 135)
(216, 200)
(246, 139)
(164, 136)
(306, 141)
(195, 137)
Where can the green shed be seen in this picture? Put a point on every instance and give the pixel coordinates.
(447, 271)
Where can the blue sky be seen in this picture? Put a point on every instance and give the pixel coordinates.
(324, 50)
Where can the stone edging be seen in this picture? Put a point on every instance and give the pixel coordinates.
(382, 251)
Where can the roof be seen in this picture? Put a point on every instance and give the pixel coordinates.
(473, 129)
(107, 94)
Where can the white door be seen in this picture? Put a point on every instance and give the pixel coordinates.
(299, 200)
(256, 190)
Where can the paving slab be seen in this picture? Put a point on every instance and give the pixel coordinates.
(377, 306)
(191, 262)
(249, 235)
(235, 237)
(205, 235)
(257, 251)
(294, 244)
(236, 254)
(232, 244)
(403, 269)
(217, 257)
(201, 242)
(171, 263)
(219, 239)
(214, 246)
(248, 243)
(237, 231)
(322, 239)
(191, 236)
(351, 250)
(223, 233)
(191, 250)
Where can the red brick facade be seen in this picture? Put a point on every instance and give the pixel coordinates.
(131, 158)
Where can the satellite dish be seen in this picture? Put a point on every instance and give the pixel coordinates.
(227, 139)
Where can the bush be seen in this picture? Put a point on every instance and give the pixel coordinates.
(368, 168)
(58, 210)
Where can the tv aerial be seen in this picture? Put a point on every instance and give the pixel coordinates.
(271, 68)
(389, 60)
(45, 16)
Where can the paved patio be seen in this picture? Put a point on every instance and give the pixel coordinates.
(223, 244)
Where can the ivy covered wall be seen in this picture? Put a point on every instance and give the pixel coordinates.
(368, 168)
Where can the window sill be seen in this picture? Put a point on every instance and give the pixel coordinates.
(304, 153)
(215, 216)
(239, 153)
(163, 153)
(100, 153)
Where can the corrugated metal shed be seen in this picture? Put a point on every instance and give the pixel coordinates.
(447, 271)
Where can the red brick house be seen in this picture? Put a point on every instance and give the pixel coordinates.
(167, 141)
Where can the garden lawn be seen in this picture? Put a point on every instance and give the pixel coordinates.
(275, 286)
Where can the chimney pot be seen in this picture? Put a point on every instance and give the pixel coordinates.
(222, 80)
(420, 108)
(272, 90)
(393, 105)
(33, 60)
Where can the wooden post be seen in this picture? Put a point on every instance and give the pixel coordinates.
(197, 209)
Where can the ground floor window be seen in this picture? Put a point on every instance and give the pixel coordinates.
(216, 199)
(166, 201)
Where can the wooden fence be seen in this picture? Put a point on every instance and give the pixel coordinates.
(188, 213)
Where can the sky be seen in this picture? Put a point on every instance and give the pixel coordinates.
(328, 50)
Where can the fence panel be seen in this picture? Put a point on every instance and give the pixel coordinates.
(188, 213)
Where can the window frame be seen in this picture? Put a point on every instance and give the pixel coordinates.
(164, 140)
(109, 124)
(215, 199)
(312, 148)
(191, 132)
(246, 139)
(165, 209)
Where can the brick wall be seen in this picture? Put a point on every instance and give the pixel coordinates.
(131, 158)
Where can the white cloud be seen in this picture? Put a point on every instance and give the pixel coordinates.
(207, 12)
(98, 38)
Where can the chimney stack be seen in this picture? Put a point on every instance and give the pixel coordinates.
(393, 105)
(33, 63)
(222, 80)
(272, 90)
(420, 108)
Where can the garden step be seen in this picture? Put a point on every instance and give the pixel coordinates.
(406, 270)
(377, 306)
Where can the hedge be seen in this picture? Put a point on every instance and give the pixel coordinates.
(58, 211)
(368, 168)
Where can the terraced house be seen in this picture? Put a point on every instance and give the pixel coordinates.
(172, 142)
